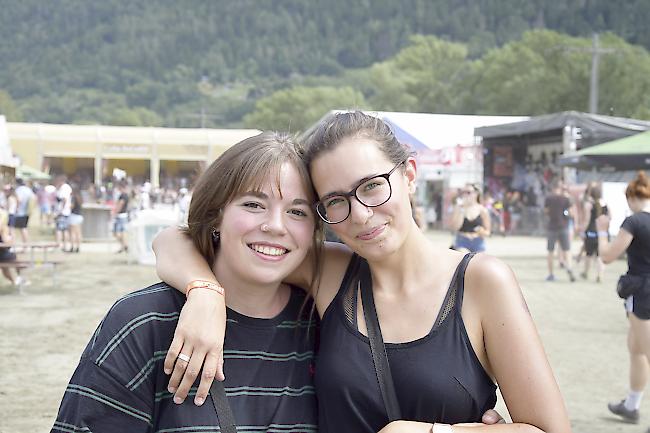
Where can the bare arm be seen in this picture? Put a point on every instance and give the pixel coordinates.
(199, 333)
(486, 225)
(515, 354)
(202, 324)
(610, 251)
(456, 220)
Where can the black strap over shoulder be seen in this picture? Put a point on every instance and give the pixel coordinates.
(221, 406)
(379, 357)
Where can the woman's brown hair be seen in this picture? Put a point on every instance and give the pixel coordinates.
(246, 166)
(639, 188)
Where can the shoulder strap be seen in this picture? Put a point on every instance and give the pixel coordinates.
(459, 278)
(379, 357)
(221, 406)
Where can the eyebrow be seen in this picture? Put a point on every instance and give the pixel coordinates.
(355, 185)
(264, 196)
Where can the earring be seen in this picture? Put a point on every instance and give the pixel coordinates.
(215, 235)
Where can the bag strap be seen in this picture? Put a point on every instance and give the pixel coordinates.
(377, 347)
(221, 406)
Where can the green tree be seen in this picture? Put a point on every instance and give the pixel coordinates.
(8, 107)
(297, 108)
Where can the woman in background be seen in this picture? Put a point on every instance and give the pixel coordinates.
(633, 238)
(470, 220)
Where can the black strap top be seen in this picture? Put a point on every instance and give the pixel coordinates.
(438, 378)
(469, 226)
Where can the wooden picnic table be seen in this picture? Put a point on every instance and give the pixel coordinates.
(31, 247)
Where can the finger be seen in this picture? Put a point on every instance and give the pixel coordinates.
(172, 353)
(191, 373)
(179, 370)
(207, 376)
(491, 416)
(220, 376)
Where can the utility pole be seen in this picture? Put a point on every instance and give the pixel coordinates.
(596, 51)
(203, 117)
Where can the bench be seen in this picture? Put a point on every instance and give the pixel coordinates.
(27, 264)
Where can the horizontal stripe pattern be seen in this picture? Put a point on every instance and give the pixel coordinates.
(146, 370)
(271, 428)
(104, 399)
(129, 327)
(267, 356)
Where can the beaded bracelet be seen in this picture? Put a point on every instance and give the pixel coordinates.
(203, 284)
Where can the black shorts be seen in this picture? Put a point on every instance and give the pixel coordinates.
(20, 222)
(6, 255)
(591, 246)
(641, 305)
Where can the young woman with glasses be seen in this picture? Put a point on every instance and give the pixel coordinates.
(470, 220)
(454, 325)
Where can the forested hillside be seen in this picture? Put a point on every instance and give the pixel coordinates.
(180, 63)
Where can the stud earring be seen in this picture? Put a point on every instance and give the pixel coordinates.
(215, 235)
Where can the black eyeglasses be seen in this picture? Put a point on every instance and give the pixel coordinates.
(335, 208)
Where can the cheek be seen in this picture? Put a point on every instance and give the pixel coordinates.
(238, 223)
(302, 231)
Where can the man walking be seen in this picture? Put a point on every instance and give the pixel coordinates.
(25, 197)
(557, 209)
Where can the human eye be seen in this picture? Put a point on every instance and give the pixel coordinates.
(298, 212)
(334, 201)
(372, 184)
(252, 205)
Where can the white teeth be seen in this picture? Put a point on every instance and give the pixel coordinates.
(269, 251)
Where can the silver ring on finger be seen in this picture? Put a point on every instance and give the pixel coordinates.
(184, 357)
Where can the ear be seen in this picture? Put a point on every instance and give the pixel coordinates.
(411, 173)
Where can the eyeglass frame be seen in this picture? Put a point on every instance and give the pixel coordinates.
(353, 193)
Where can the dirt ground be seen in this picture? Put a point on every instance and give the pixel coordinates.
(44, 330)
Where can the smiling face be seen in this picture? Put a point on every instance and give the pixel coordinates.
(372, 232)
(266, 233)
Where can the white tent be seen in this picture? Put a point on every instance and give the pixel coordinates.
(6, 155)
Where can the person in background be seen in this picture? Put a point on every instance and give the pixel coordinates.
(633, 238)
(557, 209)
(76, 220)
(6, 254)
(64, 208)
(12, 207)
(593, 207)
(121, 217)
(470, 220)
(26, 200)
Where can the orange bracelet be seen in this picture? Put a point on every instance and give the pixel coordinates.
(203, 284)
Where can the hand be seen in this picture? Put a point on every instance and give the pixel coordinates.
(199, 335)
(602, 223)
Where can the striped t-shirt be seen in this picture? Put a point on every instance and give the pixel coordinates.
(119, 384)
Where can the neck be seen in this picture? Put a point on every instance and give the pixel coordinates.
(407, 268)
(251, 298)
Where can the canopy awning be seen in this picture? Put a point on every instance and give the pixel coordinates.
(629, 153)
(30, 173)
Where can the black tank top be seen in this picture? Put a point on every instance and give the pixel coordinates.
(469, 226)
(438, 378)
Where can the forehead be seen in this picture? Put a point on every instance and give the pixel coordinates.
(282, 181)
(354, 158)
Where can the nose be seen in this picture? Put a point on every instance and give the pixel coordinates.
(359, 213)
(275, 222)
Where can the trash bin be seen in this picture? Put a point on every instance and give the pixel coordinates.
(97, 221)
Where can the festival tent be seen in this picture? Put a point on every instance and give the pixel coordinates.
(30, 173)
(629, 153)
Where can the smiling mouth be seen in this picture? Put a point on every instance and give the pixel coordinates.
(268, 250)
